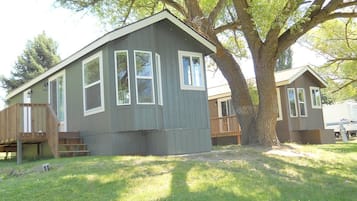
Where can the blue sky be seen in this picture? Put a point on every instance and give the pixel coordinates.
(22, 20)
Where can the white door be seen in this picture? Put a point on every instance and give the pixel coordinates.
(27, 111)
(57, 98)
(225, 110)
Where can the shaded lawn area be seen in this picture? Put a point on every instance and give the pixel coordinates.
(292, 172)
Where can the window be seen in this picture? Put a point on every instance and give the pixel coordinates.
(191, 70)
(225, 107)
(225, 111)
(315, 97)
(158, 79)
(144, 77)
(122, 77)
(301, 102)
(280, 114)
(292, 102)
(92, 74)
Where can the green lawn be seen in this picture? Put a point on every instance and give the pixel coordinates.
(293, 172)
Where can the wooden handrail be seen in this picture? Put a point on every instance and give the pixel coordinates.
(29, 119)
(225, 126)
(52, 129)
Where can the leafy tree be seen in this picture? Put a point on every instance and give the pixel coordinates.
(337, 41)
(38, 56)
(268, 27)
(285, 60)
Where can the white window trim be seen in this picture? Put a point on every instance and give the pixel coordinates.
(144, 77)
(296, 108)
(182, 84)
(160, 100)
(116, 76)
(62, 73)
(219, 101)
(101, 108)
(279, 105)
(303, 92)
(312, 98)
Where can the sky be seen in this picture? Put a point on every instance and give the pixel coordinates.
(23, 20)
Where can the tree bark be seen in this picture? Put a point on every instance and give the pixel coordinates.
(241, 99)
(268, 107)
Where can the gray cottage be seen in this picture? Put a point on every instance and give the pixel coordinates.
(139, 89)
(300, 116)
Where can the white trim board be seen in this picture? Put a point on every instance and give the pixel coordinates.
(112, 36)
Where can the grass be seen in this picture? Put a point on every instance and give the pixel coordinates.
(293, 172)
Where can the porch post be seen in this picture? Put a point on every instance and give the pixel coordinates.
(19, 152)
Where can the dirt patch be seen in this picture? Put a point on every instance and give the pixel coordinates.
(246, 153)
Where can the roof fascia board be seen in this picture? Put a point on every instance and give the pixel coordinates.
(302, 71)
(112, 36)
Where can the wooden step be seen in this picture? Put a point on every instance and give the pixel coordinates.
(72, 147)
(67, 135)
(73, 140)
(73, 153)
(71, 144)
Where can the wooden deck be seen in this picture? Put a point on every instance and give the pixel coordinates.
(227, 126)
(28, 123)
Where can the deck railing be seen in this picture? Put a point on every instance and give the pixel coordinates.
(225, 126)
(29, 123)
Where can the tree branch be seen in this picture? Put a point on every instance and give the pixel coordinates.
(347, 4)
(230, 26)
(344, 85)
(273, 34)
(340, 15)
(248, 27)
(327, 13)
(216, 10)
(176, 6)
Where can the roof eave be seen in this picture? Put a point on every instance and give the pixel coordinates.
(112, 36)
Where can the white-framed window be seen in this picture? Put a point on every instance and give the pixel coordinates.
(191, 70)
(144, 77)
(280, 113)
(292, 102)
(301, 102)
(92, 76)
(158, 79)
(225, 107)
(315, 97)
(122, 77)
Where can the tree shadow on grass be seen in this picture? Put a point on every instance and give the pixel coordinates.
(180, 189)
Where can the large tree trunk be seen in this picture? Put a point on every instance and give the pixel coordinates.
(268, 107)
(241, 99)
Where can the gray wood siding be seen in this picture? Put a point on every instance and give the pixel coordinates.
(181, 125)
(182, 108)
(314, 119)
(282, 126)
(87, 125)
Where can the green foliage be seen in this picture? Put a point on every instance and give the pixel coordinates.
(264, 13)
(115, 12)
(253, 91)
(336, 40)
(38, 56)
(229, 173)
(285, 60)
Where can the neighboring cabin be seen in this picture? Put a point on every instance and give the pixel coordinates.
(139, 89)
(299, 103)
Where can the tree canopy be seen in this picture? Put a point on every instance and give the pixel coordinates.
(336, 40)
(39, 55)
(267, 27)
